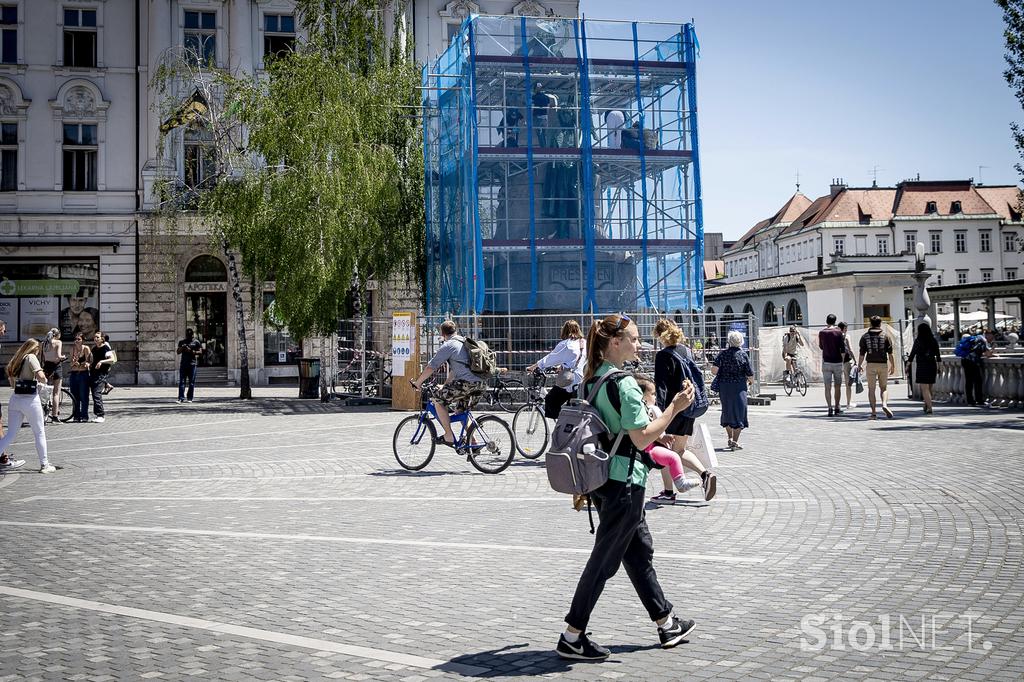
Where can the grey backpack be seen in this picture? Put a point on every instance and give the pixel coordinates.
(577, 462)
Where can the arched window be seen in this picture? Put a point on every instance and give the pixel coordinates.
(768, 318)
(678, 316)
(13, 115)
(748, 309)
(794, 315)
(710, 312)
(81, 114)
(727, 311)
(206, 269)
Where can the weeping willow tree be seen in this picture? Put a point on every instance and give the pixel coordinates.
(327, 193)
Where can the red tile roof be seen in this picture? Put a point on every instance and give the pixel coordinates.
(913, 197)
(1004, 200)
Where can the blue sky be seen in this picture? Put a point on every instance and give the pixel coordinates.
(834, 89)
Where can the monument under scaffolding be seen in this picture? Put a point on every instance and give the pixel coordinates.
(562, 168)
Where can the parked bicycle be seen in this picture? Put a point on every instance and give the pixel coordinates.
(486, 442)
(506, 394)
(354, 374)
(794, 380)
(529, 426)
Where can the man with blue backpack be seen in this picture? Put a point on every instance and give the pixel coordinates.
(972, 350)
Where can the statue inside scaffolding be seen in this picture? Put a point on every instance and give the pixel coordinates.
(562, 168)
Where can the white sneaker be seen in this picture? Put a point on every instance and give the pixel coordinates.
(48, 469)
(13, 464)
(179, 401)
(851, 406)
(99, 420)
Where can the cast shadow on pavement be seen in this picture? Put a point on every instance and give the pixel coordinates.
(511, 661)
(419, 474)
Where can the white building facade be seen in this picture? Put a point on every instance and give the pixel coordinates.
(972, 233)
(79, 129)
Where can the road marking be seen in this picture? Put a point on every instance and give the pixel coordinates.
(258, 479)
(207, 439)
(391, 501)
(473, 546)
(341, 457)
(211, 451)
(92, 436)
(8, 479)
(247, 632)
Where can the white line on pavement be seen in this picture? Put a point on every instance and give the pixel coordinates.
(341, 457)
(207, 439)
(211, 451)
(162, 530)
(248, 633)
(8, 479)
(391, 501)
(92, 436)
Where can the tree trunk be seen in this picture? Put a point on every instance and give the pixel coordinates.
(243, 347)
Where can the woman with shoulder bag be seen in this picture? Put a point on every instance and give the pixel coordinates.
(24, 371)
(622, 536)
(669, 378)
(567, 354)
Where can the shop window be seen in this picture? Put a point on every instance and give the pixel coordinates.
(36, 297)
(279, 348)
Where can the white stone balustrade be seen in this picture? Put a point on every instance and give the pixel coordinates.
(1003, 381)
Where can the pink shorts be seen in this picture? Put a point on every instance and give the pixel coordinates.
(666, 457)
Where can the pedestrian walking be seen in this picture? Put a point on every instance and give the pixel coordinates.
(733, 375)
(103, 358)
(25, 372)
(189, 348)
(926, 352)
(847, 366)
(622, 536)
(567, 354)
(53, 367)
(876, 348)
(7, 460)
(81, 362)
(672, 365)
(830, 341)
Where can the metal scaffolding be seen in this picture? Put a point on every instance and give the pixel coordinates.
(562, 168)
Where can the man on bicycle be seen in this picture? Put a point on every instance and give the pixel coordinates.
(791, 340)
(460, 386)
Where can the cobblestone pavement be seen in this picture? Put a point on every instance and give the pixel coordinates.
(278, 540)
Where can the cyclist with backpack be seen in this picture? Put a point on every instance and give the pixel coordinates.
(461, 384)
(622, 536)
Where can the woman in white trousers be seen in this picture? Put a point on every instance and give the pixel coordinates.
(22, 370)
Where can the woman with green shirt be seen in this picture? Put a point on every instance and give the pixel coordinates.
(622, 536)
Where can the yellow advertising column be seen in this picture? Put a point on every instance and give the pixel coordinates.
(405, 361)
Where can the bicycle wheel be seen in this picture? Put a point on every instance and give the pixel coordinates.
(68, 404)
(787, 384)
(801, 383)
(530, 429)
(413, 442)
(490, 444)
(510, 395)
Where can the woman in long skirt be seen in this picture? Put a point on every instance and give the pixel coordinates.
(733, 375)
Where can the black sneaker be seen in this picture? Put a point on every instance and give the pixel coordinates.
(676, 632)
(830, 412)
(664, 497)
(583, 649)
(710, 484)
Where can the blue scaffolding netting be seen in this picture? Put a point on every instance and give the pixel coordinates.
(562, 168)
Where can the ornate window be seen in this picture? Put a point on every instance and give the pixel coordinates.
(278, 34)
(453, 14)
(13, 114)
(80, 115)
(206, 269)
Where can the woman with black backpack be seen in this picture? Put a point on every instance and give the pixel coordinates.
(622, 536)
(25, 372)
(673, 366)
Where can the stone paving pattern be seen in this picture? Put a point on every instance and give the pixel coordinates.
(913, 517)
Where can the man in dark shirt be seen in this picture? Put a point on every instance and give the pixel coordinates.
(973, 367)
(103, 358)
(189, 348)
(876, 348)
(830, 341)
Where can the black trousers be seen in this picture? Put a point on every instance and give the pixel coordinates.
(554, 400)
(622, 538)
(973, 381)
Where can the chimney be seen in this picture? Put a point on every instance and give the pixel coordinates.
(838, 185)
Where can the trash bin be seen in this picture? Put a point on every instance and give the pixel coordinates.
(309, 377)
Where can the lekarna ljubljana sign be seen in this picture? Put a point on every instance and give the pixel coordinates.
(39, 287)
